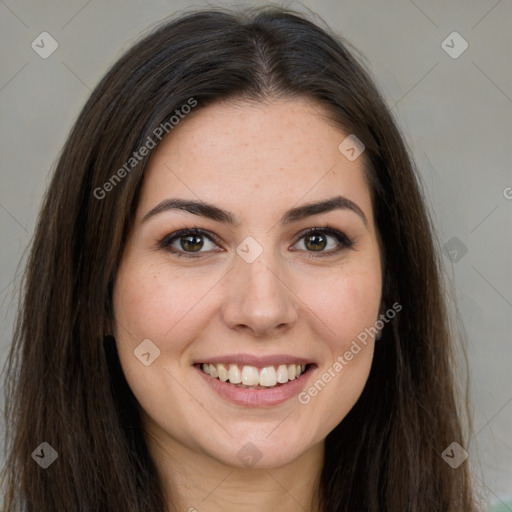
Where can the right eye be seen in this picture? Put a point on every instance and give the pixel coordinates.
(187, 242)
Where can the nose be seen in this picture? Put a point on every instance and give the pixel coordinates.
(258, 299)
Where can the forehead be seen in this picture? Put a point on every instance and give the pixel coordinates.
(244, 155)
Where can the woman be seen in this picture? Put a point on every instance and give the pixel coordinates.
(233, 300)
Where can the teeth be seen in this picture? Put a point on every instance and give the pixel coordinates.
(234, 374)
(223, 373)
(213, 370)
(282, 374)
(267, 377)
(249, 375)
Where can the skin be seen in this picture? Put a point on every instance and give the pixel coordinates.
(256, 161)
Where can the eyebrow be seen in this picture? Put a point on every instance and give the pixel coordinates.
(293, 215)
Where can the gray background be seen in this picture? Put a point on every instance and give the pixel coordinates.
(455, 114)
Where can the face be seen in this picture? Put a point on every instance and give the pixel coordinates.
(233, 322)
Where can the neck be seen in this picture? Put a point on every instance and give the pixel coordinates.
(195, 482)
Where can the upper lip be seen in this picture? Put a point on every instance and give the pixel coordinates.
(251, 360)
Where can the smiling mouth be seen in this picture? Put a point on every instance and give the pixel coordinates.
(252, 377)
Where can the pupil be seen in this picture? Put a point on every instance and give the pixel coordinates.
(189, 241)
(317, 239)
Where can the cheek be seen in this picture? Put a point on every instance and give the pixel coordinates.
(346, 305)
(150, 304)
(345, 322)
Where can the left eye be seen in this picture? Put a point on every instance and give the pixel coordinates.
(317, 240)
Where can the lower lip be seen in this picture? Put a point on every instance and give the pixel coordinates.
(257, 397)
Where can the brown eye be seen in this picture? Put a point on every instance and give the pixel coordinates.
(188, 242)
(319, 239)
(191, 242)
(315, 242)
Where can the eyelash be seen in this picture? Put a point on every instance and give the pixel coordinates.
(165, 243)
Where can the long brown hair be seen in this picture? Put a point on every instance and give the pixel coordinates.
(64, 384)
